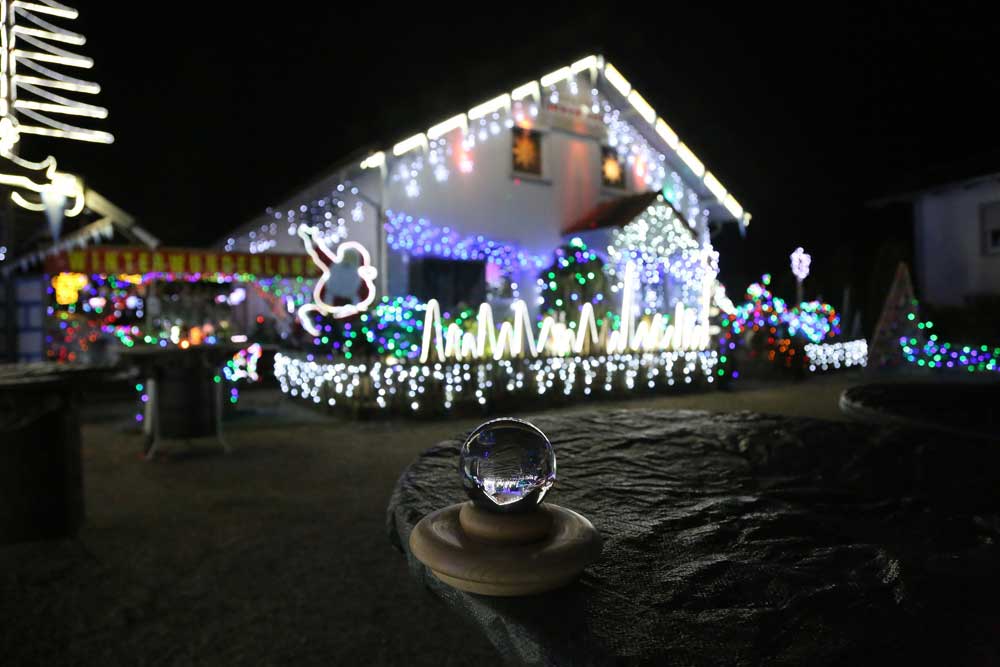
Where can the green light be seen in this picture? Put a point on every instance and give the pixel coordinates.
(217, 379)
(138, 387)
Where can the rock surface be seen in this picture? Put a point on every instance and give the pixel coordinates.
(746, 539)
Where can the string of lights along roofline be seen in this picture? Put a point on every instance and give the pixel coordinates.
(450, 145)
(532, 91)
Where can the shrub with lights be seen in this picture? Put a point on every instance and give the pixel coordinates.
(674, 265)
(775, 332)
(575, 277)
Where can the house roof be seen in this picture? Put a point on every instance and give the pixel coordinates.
(962, 173)
(618, 212)
(111, 222)
(649, 123)
(628, 104)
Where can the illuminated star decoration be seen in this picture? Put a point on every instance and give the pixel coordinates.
(526, 152)
(800, 263)
(612, 171)
(323, 257)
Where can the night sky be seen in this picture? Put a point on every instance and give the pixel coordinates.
(804, 116)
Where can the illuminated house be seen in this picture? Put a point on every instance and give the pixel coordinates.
(476, 203)
(553, 240)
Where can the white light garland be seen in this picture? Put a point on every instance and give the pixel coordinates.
(444, 386)
(825, 356)
(684, 331)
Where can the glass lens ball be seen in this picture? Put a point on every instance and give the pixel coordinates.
(507, 465)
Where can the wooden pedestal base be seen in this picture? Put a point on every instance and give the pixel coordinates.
(505, 555)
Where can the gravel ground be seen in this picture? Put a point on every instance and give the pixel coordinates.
(275, 554)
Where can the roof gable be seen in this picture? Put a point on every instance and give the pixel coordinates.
(622, 109)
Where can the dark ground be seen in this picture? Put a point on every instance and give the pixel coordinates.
(276, 554)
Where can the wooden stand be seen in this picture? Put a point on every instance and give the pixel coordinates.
(505, 555)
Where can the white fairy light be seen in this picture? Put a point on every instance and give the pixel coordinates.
(800, 263)
(825, 356)
(396, 386)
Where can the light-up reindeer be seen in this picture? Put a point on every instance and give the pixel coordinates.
(323, 257)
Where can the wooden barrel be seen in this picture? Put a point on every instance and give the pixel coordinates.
(187, 400)
(41, 481)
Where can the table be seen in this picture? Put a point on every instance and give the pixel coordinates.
(41, 479)
(743, 539)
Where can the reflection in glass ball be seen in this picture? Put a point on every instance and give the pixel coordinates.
(507, 465)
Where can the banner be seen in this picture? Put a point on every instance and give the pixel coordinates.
(180, 262)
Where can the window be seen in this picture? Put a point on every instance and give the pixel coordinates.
(451, 282)
(989, 215)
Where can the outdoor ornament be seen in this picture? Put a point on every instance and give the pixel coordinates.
(505, 541)
(323, 257)
(38, 186)
(800, 267)
(800, 263)
(42, 94)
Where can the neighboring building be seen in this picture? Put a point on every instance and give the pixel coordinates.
(478, 202)
(956, 232)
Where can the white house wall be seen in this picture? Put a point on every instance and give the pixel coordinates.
(948, 235)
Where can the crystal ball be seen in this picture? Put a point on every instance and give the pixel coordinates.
(507, 465)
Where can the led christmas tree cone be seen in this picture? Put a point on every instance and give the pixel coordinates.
(505, 541)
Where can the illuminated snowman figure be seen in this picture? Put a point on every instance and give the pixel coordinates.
(324, 258)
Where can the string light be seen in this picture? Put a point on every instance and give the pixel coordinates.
(408, 387)
(419, 237)
(814, 320)
(243, 365)
(825, 356)
(925, 350)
